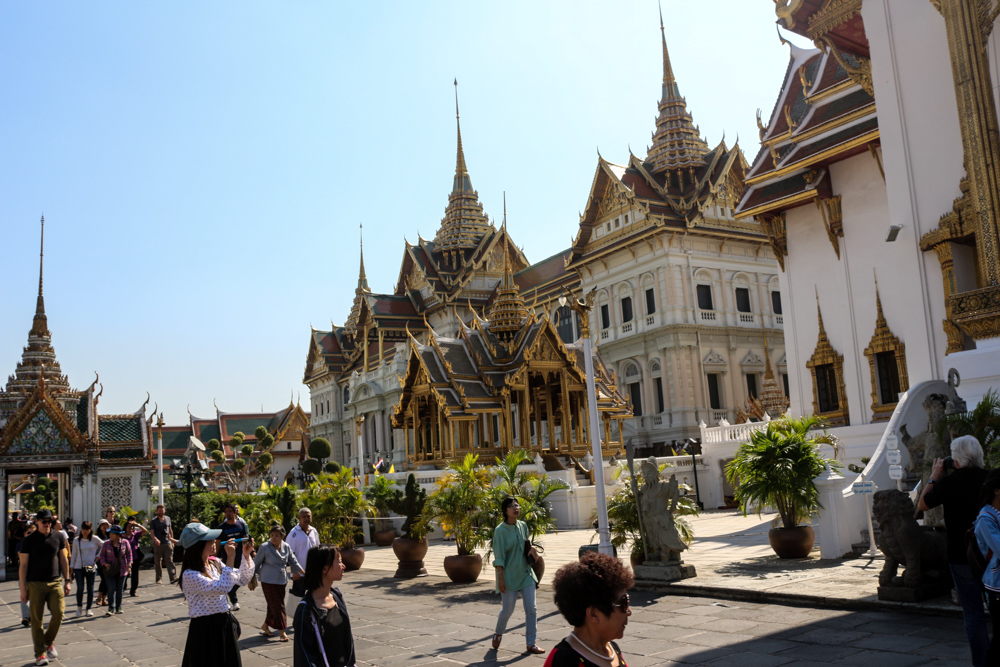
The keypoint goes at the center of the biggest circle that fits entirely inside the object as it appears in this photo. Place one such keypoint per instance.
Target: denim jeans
(509, 600)
(116, 586)
(993, 656)
(971, 595)
(84, 577)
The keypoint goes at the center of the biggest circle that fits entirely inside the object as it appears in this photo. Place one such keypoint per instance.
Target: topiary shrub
(213, 445)
(264, 460)
(320, 448)
(218, 456)
(267, 441)
(312, 467)
(411, 505)
(239, 464)
(260, 432)
(235, 442)
(331, 466)
(246, 450)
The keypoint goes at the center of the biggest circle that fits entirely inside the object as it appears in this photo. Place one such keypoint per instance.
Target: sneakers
(90, 612)
(42, 660)
(109, 613)
(79, 612)
(25, 622)
(118, 611)
(51, 652)
(236, 606)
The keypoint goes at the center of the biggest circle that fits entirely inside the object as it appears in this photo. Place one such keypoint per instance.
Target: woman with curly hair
(592, 594)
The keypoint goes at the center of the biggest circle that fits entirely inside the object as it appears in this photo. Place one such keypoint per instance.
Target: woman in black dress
(322, 627)
(592, 594)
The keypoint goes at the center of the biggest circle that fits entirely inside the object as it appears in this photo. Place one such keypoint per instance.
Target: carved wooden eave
(294, 420)
(825, 354)
(883, 340)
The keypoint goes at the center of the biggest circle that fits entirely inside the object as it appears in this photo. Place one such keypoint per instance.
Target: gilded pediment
(41, 428)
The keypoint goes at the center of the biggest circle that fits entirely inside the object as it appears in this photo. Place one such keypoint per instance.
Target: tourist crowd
(592, 594)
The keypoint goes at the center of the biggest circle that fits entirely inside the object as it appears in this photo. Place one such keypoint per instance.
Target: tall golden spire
(360, 291)
(39, 357)
(464, 223)
(362, 278)
(676, 140)
(771, 397)
(508, 313)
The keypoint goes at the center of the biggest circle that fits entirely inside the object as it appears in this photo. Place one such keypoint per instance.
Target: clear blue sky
(203, 166)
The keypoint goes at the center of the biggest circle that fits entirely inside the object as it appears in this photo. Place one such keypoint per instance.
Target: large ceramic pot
(411, 557)
(637, 559)
(384, 538)
(353, 558)
(792, 542)
(463, 569)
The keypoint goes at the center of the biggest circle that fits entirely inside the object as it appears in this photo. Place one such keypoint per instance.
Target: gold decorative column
(968, 24)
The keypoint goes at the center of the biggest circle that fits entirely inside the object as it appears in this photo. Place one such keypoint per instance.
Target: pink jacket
(107, 557)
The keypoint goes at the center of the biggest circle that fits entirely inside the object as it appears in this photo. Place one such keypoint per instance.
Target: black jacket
(337, 643)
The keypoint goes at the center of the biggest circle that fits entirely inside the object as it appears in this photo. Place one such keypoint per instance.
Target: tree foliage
(249, 463)
(312, 467)
(320, 449)
(983, 422)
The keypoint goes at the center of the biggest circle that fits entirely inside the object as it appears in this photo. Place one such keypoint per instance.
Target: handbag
(527, 552)
(252, 585)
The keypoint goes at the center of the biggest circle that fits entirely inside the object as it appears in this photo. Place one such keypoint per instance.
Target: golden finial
(783, 40)
(362, 278)
(217, 411)
(461, 171)
(41, 259)
(668, 72)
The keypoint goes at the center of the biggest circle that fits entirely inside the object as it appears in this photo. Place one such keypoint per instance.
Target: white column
(830, 486)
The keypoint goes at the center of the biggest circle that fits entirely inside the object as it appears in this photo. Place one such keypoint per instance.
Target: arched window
(347, 395)
(655, 373)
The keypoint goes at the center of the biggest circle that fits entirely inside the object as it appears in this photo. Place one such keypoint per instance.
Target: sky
(203, 168)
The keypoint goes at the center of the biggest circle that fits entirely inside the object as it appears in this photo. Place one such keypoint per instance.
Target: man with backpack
(959, 491)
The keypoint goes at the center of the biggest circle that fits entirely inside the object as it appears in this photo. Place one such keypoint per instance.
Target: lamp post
(360, 420)
(582, 308)
(159, 453)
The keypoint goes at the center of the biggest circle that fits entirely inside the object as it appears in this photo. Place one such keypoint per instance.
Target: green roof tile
(81, 414)
(118, 454)
(247, 426)
(173, 439)
(119, 430)
(208, 431)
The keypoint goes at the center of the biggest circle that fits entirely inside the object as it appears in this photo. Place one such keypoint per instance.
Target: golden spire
(462, 181)
(362, 278)
(464, 223)
(768, 373)
(508, 313)
(39, 353)
(676, 140)
(40, 325)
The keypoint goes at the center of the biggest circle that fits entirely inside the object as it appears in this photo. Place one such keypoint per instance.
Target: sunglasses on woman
(622, 604)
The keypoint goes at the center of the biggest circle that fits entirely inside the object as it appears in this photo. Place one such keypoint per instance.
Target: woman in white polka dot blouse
(205, 581)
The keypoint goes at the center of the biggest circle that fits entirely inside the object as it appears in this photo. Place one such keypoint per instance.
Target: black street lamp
(185, 474)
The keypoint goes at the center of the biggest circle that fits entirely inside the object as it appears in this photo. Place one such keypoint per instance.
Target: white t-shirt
(301, 542)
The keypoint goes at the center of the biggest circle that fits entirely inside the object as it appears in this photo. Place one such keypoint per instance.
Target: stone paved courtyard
(430, 621)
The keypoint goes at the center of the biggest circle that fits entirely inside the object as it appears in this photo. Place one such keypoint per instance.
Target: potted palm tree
(776, 469)
(455, 505)
(411, 547)
(339, 503)
(382, 493)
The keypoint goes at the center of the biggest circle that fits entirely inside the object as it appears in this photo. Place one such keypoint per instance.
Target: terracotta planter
(384, 538)
(792, 542)
(353, 558)
(411, 557)
(463, 569)
(539, 567)
(637, 559)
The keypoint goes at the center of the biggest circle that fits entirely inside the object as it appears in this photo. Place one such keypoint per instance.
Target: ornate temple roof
(821, 116)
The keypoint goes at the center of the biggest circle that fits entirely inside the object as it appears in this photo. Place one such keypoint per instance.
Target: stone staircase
(554, 462)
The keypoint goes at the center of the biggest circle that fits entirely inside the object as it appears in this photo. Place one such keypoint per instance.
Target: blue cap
(116, 530)
(197, 532)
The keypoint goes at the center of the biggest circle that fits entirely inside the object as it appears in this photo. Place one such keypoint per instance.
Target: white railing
(731, 432)
(651, 320)
(708, 315)
(779, 320)
(719, 415)
(746, 318)
(604, 334)
(627, 328)
(657, 420)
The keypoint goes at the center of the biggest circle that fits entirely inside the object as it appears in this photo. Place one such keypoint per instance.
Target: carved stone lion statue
(923, 551)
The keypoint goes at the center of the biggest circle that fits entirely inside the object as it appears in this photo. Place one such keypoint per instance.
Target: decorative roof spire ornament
(361, 290)
(39, 352)
(772, 399)
(464, 223)
(508, 313)
(676, 140)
